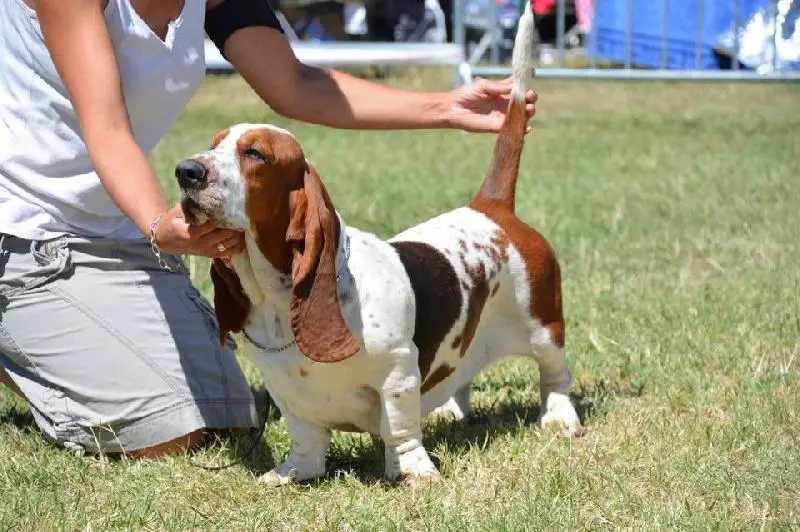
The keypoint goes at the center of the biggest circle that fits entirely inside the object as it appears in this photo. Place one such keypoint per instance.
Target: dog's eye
(253, 153)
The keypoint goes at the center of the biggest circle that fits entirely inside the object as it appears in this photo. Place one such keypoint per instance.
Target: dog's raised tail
(501, 179)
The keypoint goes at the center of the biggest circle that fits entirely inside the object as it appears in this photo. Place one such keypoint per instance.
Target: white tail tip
(522, 56)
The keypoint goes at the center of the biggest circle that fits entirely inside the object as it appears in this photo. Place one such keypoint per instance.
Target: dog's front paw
(273, 478)
(411, 468)
(561, 417)
(421, 479)
(290, 472)
(450, 411)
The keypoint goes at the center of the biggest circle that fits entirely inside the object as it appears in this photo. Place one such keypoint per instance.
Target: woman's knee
(183, 443)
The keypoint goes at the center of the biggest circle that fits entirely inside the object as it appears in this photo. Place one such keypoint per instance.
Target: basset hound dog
(355, 333)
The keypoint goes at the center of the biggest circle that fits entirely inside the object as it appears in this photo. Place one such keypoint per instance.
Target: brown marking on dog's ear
(231, 304)
(296, 231)
(313, 232)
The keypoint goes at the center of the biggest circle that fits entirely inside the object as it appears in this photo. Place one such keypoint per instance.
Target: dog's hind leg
(555, 382)
(307, 458)
(457, 407)
(401, 420)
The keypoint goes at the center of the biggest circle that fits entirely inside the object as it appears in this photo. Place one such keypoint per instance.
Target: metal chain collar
(265, 348)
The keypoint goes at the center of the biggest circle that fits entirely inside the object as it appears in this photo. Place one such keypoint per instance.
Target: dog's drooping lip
(192, 212)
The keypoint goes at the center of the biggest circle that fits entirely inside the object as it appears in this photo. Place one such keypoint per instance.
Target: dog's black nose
(190, 173)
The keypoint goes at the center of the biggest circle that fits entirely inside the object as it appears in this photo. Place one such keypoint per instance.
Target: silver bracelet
(154, 245)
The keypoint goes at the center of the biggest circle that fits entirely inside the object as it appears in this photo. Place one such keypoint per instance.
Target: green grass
(674, 209)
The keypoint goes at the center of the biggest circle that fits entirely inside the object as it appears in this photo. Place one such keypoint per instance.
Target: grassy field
(674, 209)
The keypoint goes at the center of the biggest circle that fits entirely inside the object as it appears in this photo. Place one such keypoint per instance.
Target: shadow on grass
(246, 450)
(22, 419)
(485, 424)
(362, 454)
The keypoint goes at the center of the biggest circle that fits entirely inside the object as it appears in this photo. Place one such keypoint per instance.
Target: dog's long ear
(319, 327)
(231, 304)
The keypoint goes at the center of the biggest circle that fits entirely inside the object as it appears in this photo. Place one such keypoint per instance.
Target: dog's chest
(341, 395)
(337, 396)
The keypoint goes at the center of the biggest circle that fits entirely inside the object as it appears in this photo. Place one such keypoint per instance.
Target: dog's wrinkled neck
(269, 290)
(261, 279)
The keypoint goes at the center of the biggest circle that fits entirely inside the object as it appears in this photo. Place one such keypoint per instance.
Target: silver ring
(221, 247)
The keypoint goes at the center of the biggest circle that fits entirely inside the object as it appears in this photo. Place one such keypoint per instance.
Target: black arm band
(231, 15)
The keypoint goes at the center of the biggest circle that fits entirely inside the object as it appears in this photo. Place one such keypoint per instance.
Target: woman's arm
(265, 59)
(324, 96)
(75, 32)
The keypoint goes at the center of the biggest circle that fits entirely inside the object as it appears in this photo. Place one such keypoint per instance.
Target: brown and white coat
(352, 332)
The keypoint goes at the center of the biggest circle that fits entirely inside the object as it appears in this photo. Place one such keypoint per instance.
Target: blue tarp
(686, 20)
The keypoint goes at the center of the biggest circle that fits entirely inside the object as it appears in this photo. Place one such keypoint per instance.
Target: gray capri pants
(113, 352)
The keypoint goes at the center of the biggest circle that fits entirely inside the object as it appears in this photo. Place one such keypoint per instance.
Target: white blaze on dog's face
(247, 163)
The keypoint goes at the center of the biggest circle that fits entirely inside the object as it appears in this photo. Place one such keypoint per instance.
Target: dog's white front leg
(401, 426)
(307, 458)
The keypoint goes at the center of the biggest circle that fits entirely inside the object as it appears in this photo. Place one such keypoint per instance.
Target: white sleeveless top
(48, 187)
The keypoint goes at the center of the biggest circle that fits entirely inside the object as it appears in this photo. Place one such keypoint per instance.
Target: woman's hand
(174, 235)
(481, 106)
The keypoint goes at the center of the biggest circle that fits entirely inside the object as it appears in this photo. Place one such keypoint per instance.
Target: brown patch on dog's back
(499, 248)
(437, 295)
(541, 265)
(439, 374)
(477, 299)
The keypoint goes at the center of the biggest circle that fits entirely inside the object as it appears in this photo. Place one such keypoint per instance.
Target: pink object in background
(583, 12)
